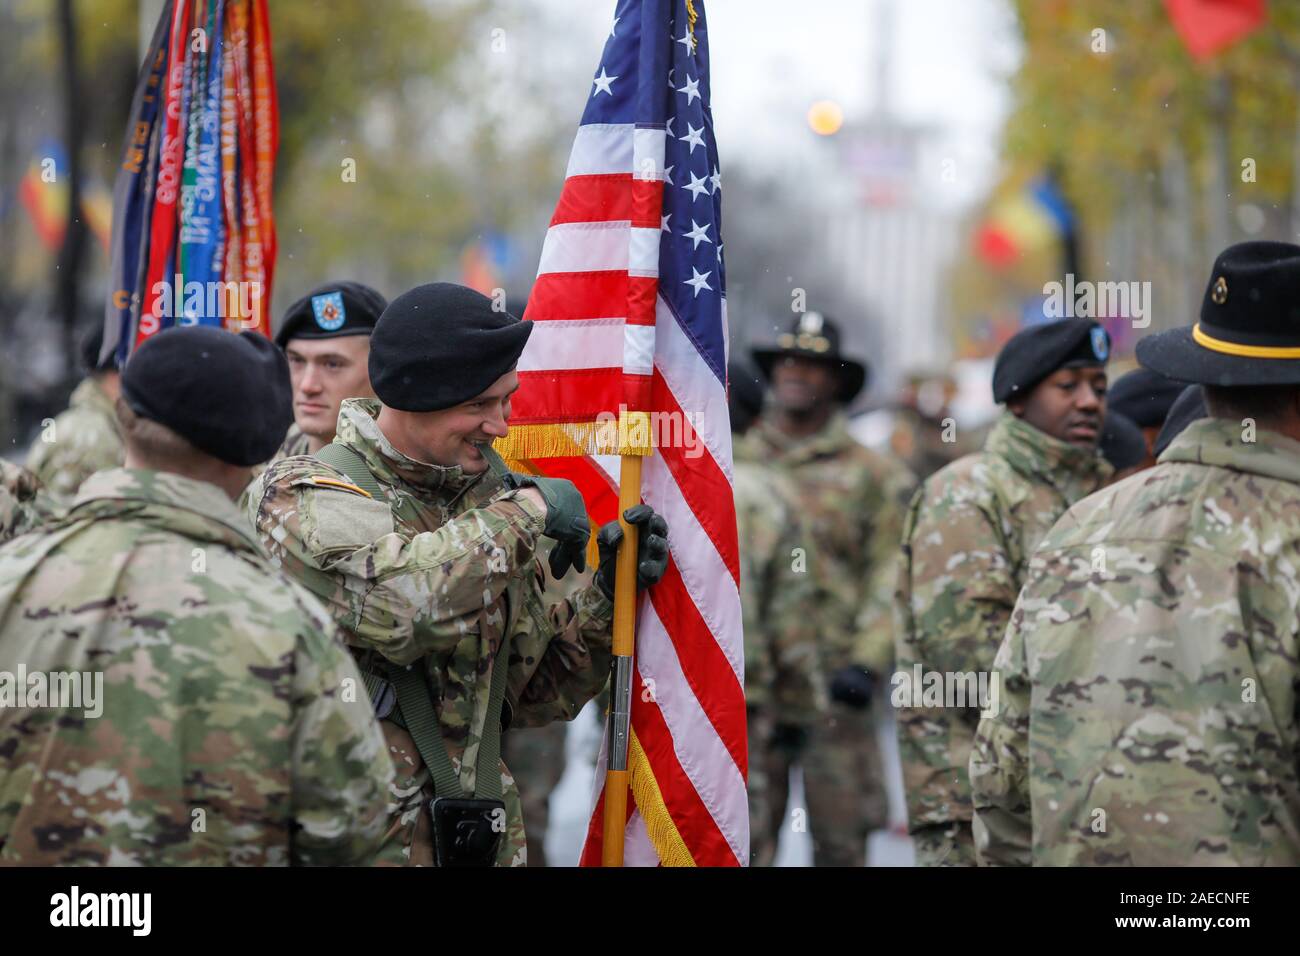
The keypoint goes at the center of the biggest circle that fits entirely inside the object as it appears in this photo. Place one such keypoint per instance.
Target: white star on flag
(698, 280)
(698, 233)
(603, 83)
(697, 186)
(664, 225)
(613, 25)
(691, 89)
(668, 176)
(693, 136)
(685, 40)
(716, 179)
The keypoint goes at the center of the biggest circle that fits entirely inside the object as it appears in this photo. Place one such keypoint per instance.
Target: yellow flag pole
(617, 777)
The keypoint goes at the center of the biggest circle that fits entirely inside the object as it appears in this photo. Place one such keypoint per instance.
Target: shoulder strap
(342, 458)
(413, 694)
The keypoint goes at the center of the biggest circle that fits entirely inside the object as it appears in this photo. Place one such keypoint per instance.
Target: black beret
(226, 394)
(1189, 406)
(1034, 353)
(331, 311)
(442, 344)
(1122, 442)
(1144, 396)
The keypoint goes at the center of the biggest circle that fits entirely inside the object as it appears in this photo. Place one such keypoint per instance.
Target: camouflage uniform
(439, 573)
(24, 503)
(1149, 675)
(783, 681)
(86, 440)
(851, 501)
(970, 532)
(225, 736)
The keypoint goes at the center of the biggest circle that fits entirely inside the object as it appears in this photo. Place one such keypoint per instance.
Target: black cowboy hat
(1249, 332)
(814, 336)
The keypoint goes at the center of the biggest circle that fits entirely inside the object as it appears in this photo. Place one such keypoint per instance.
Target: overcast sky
(771, 59)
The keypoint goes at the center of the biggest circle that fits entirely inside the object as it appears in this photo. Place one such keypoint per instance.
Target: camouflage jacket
(782, 674)
(24, 503)
(969, 535)
(438, 573)
(1150, 685)
(83, 439)
(851, 502)
(221, 732)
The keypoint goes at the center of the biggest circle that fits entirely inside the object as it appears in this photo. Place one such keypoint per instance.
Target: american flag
(630, 310)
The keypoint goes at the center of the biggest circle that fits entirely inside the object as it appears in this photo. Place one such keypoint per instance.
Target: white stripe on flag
(643, 256)
(574, 343)
(585, 247)
(637, 848)
(699, 749)
(648, 154)
(638, 349)
(601, 148)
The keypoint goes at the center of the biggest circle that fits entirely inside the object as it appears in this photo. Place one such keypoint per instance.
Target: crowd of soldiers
(1084, 623)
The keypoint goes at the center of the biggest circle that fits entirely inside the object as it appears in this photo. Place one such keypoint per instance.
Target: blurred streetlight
(825, 117)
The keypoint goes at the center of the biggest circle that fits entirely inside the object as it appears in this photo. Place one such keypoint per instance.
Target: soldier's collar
(204, 500)
(833, 438)
(1228, 444)
(1033, 451)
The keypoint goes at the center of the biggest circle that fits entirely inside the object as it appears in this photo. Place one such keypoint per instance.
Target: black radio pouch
(467, 832)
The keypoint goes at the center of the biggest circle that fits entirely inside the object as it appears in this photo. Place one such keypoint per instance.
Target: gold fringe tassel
(668, 843)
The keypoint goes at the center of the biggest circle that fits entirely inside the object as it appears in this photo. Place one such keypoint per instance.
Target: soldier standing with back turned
(1150, 679)
(221, 730)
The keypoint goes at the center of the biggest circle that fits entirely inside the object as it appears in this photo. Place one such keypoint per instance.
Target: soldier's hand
(853, 686)
(652, 548)
(566, 519)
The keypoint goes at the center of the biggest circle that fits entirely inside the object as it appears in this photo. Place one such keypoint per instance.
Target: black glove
(651, 549)
(566, 519)
(789, 738)
(853, 686)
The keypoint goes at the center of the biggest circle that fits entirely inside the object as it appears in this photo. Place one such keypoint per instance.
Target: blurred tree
(1166, 160)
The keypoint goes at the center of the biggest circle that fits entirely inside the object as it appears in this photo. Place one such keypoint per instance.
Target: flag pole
(617, 776)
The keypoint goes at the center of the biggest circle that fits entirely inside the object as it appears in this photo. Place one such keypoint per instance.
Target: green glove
(652, 548)
(566, 519)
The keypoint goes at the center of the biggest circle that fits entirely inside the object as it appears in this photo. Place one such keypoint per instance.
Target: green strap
(344, 459)
(413, 701)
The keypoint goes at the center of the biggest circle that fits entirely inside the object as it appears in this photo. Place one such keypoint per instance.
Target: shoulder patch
(335, 483)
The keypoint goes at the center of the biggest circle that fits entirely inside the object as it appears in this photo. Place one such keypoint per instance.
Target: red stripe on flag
(641, 294)
(603, 198)
(583, 393)
(578, 295)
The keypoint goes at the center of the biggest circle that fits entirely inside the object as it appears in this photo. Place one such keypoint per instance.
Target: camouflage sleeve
(873, 646)
(567, 632)
(341, 768)
(798, 688)
(999, 768)
(402, 595)
(962, 585)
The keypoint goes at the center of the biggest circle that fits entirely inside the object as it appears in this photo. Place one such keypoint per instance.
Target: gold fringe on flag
(668, 842)
(629, 435)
